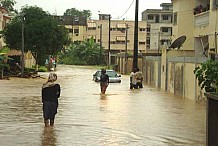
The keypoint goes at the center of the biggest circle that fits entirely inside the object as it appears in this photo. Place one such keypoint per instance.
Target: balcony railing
(201, 19)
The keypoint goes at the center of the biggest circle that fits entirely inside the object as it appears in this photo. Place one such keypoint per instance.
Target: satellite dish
(178, 42)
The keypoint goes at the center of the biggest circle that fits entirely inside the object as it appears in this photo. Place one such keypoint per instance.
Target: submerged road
(142, 117)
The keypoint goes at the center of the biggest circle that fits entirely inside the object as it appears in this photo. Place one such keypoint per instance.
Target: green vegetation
(41, 69)
(82, 53)
(3, 52)
(75, 12)
(42, 35)
(9, 5)
(207, 75)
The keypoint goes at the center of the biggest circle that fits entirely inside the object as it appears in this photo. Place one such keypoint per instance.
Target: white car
(113, 76)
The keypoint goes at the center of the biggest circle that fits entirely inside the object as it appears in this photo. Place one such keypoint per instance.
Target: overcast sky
(114, 7)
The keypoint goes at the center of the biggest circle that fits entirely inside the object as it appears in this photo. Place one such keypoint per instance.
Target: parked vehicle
(113, 76)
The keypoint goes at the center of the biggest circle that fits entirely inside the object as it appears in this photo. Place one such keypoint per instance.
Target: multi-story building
(4, 19)
(159, 26)
(120, 31)
(76, 26)
(173, 71)
(81, 29)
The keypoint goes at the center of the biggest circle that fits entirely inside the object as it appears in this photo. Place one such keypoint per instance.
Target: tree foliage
(3, 52)
(42, 35)
(83, 53)
(207, 75)
(8, 4)
(75, 12)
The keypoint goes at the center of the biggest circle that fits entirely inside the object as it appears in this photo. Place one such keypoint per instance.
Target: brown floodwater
(142, 117)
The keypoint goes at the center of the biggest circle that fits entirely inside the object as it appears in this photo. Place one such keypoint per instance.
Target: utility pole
(215, 37)
(100, 41)
(135, 57)
(109, 42)
(22, 47)
(126, 43)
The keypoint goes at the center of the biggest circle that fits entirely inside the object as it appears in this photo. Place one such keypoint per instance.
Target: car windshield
(110, 73)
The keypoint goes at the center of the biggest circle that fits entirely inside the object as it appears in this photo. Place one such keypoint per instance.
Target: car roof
(108, 70)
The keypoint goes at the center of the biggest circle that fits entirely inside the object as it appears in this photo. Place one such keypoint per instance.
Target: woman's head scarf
(51, 80)
(52, 77)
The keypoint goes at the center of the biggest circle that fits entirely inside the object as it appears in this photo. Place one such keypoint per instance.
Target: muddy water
(147, 116)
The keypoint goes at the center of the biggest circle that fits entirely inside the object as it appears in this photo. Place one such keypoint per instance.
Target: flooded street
(143, 117)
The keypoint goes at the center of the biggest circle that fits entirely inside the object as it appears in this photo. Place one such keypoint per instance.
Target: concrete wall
(120, 61)
(151, 70)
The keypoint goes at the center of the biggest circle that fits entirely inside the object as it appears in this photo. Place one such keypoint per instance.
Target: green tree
(42, 35)
(9, 5)
(84, 53)
(75, 12)
(3, 58)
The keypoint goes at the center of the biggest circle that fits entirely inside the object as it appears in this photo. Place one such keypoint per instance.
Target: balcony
(201, 19)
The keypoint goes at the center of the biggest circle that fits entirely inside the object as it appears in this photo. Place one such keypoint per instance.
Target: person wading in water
(50, 94)
(104, 81)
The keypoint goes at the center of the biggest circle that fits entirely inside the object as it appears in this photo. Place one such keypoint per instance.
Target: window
(91, 26)
(123, 30)
(70, 30)
(76, 31)
(148, 29)
(141, 43)
(175, 18)
(112, 42)
(165, 17)
(120, 42)
(150, 17)
(113, 29)
(164, 29)
(148, 41)
(141, 29)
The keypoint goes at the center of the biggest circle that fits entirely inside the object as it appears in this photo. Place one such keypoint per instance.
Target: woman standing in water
(50, 95)
(104, 81)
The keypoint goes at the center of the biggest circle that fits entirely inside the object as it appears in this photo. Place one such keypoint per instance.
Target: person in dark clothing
(104, 81)
(50, 94)
(139, 78)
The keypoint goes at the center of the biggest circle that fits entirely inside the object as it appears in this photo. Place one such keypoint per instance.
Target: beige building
(81, 29)
(173, 71)
(120, 31)
(159, 26)
(4, 19)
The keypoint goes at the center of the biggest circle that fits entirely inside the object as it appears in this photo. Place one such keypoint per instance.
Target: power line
(126, 10)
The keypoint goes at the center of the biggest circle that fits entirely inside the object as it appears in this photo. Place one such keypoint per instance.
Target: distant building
(4, 19)
(159, 26)
(118, 35)
(76, 26)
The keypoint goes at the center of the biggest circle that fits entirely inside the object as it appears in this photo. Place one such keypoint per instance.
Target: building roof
(71, 20)
(4, 10)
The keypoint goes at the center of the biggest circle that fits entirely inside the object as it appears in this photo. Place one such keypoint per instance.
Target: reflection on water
(85, 117)
(49, 137)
